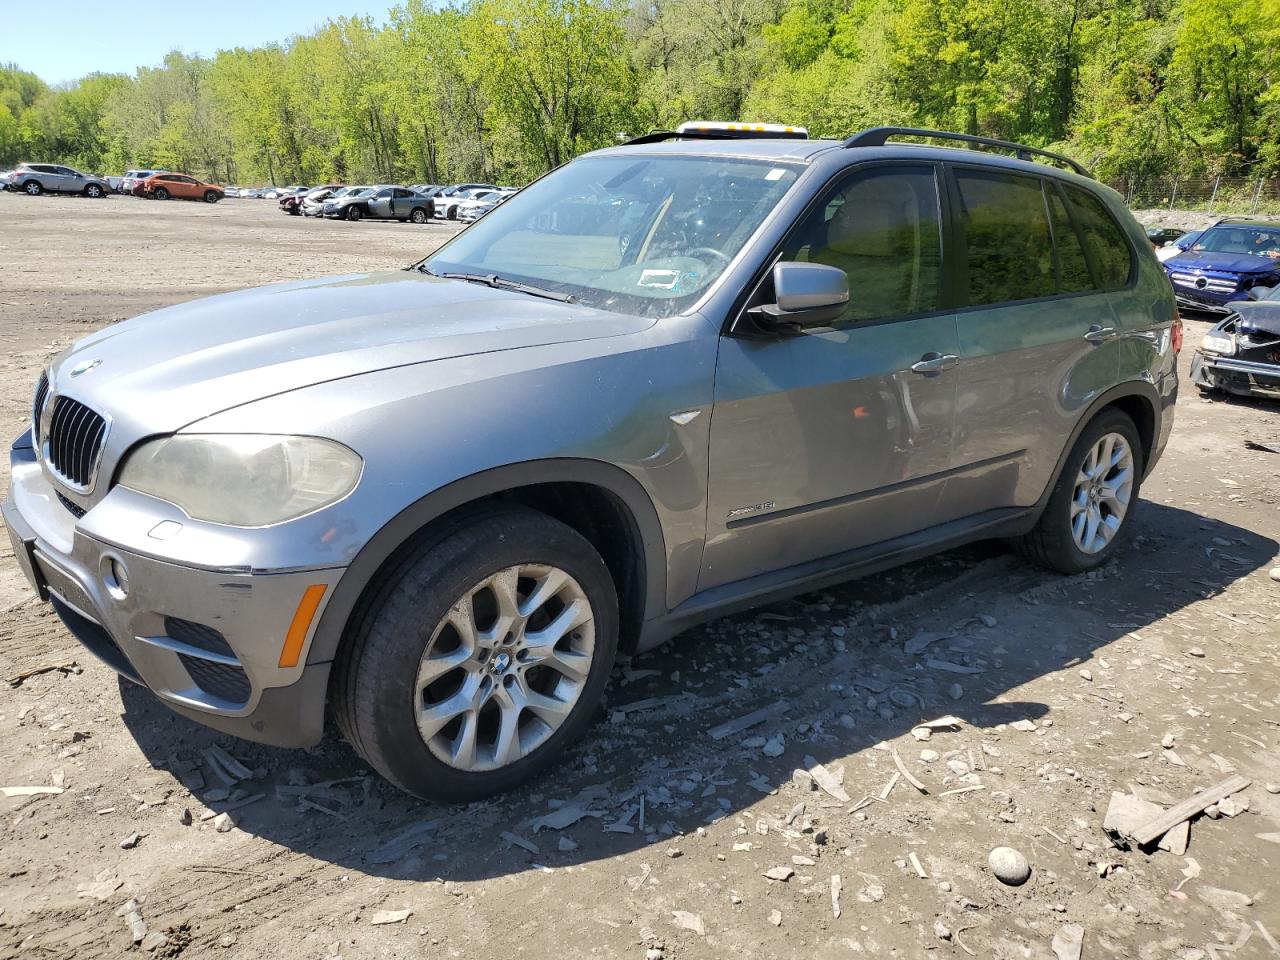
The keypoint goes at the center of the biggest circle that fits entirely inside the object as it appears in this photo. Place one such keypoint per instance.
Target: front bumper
(1244, 378)
(1205, 302)
(207, 642)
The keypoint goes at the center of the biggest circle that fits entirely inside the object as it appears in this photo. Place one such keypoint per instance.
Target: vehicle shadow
(841, 696)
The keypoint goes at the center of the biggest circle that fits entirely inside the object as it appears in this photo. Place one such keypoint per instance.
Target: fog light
(116, 577)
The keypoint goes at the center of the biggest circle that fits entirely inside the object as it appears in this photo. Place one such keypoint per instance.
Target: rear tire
(161, 193)
(1090, 494)
(420, 697)
(32, 188)
(418, 215)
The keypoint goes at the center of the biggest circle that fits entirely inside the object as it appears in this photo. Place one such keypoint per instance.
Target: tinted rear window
(1103, 238)
(1008, 248)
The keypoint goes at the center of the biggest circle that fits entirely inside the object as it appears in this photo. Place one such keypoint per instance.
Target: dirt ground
(1064, 690)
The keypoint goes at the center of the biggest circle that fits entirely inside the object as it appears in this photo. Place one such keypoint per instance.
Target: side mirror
(1259, 292)
(808, 295)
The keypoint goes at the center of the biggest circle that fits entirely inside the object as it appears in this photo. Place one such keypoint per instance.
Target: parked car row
(34, 179)
(417, 203)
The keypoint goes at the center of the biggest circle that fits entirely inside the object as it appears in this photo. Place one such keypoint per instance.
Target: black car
(1159, 236)
(1241, 354)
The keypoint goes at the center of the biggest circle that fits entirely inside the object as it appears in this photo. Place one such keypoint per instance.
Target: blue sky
(98, 36)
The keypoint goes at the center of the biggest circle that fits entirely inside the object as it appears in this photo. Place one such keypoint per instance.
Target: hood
(161, 371)
(1222, 262)
(1259, 315)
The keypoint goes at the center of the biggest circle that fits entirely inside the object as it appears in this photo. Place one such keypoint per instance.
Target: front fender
(384, 544)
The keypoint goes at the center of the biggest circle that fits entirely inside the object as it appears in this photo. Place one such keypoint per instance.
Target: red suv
(178, 186)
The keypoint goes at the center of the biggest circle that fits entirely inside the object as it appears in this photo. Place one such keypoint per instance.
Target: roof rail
(879, 136)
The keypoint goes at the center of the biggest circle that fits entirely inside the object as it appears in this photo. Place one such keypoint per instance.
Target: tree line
(503, 90)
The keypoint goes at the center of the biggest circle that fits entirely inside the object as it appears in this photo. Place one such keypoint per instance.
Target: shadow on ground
(843, 695)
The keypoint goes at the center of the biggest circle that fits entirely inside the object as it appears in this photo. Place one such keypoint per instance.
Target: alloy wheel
(504, 667)
(1103, 488)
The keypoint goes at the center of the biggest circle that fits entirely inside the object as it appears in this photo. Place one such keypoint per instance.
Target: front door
(837, 438)
(401, 202)
(60, 178)
(380, 204)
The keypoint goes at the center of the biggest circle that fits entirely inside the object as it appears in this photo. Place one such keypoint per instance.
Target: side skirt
(816, 574)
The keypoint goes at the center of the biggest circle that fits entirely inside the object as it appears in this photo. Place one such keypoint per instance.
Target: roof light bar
(723, 130)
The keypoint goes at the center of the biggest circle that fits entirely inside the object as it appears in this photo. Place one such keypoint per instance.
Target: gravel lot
(1067, 689)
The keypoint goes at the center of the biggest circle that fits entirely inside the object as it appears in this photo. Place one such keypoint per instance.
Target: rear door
(48, 175)
(401, 202)
(836, 438)
(1037, 336)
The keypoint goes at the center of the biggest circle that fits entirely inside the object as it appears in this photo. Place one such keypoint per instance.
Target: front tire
(354, 214)
(93, 191)
(211, 196)
(482, 658)
(1091, 507)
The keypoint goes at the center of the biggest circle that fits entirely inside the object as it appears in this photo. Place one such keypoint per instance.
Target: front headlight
(1219, 343)
(245, 480)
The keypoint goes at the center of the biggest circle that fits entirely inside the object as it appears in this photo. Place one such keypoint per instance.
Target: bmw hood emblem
(84, 366)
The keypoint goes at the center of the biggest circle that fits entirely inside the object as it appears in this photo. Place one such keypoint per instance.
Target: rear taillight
(1175, 332)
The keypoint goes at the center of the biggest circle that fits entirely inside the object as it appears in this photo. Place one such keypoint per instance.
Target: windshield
(1247, 239)
(629, 233)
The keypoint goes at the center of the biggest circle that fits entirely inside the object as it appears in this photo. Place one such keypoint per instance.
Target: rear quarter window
(1073, 265)
(1104, 240)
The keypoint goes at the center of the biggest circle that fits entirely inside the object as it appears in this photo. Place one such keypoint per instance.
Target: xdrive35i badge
(737, 512)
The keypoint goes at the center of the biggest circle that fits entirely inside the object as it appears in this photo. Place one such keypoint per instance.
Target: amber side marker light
(302, 618)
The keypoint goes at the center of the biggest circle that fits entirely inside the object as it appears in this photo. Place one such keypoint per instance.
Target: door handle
(934, 363)
(1097, 334)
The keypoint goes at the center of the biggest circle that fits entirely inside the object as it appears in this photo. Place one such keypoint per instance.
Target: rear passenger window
(882, 228)
(1008, 249)
(1073, 267)
(1103, 239)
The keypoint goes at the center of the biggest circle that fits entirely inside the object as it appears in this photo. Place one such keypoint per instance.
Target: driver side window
(883, 229)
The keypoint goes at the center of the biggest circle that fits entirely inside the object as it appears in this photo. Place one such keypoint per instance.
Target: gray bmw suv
(669, 380)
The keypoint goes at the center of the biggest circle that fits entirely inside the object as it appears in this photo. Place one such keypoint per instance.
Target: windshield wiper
(502, 283)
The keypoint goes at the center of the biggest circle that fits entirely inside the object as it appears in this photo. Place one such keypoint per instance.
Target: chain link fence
(1221, 195)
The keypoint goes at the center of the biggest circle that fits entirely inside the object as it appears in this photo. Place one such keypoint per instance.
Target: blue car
(1225, 263)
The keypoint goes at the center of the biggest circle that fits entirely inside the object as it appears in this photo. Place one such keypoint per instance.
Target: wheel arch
(1138, 400)
(602, 502)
